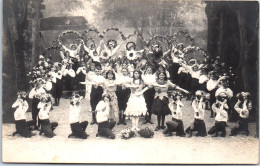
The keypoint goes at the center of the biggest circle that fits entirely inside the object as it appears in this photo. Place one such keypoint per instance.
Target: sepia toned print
(138, 82)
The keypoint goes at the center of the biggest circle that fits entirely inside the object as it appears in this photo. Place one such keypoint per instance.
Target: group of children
(116, 90)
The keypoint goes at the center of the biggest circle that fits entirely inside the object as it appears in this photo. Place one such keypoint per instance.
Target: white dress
(136, 105)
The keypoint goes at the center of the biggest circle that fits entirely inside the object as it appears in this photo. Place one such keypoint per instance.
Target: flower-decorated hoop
(91, 36)
(182, 37)
(161, 41)
(193, 52)
(68, 38)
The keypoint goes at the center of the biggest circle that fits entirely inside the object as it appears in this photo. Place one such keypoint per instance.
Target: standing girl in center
(161, 101)
(136, 105)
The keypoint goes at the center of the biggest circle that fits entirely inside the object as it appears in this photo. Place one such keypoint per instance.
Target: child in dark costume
(22, 127)
(123, 94)
(243, 107)
(45, 106)
(78, 128)
(149, 79)
(104, 125)
(160, 105)
(221, 110)
(35, 95)
(176, 125)
(198, 124)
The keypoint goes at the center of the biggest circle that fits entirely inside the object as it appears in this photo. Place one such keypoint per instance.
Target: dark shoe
(223, 134)
(182, 135)
(165, 131)
(70, 136)
(124, 122)
(40, 133)
(189, 134)
(119, 122)
(14, 133)
(169, 134)
(163, 127)
(157, 128)
(146, 121)
(215, 135)
(93, 122)
(150, 122)
(197, 135)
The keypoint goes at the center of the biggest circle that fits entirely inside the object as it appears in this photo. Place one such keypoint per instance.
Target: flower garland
(67, 32)
(181, 32)
(127, 133)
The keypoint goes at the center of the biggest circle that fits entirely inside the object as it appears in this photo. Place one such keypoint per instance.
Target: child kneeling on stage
(78, 128)
(243, 107)
(104, 126)
(176, 125)
(198, 105)
(221, 110)
(45, 105)
(22, 127)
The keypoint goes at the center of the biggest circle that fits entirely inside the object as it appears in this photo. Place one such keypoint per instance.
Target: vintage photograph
(130, 82)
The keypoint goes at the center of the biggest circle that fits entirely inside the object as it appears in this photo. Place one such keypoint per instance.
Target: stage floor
(61, 149)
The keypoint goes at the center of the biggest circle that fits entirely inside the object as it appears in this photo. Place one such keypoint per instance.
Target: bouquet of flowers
(127, 133)
(146, 133)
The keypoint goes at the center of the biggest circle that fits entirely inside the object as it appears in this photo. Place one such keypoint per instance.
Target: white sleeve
(61, 55)
(236, 107)
(79, 69)
(39, 106)
(72, 73)
(32, 93)
(16, 103)
(65, 72)
(26, 106)
(48, 86)
(210, 86)
(86, 48)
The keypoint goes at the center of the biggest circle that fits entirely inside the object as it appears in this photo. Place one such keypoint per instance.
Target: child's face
(106, 99)
(136, 75)
(161, 76)
(92, 67)
(156, 48)
(73, 47)
(131, 48)
(98, 71)
(44, 100)
(198, 97)
(110, 76)
(161, 69)
(92, 47)
(95, 53)
(111, 44)
(245, 97)
(124, 72)
(149, 71)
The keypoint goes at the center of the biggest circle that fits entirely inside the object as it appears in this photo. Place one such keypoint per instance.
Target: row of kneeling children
(106, 125)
